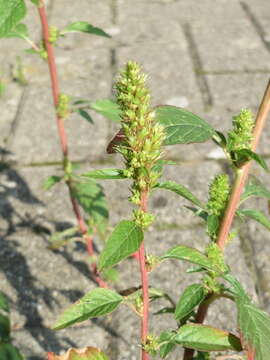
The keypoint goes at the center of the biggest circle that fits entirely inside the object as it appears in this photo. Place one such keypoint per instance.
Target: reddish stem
(144, 280)
(62, 134)
(233, 204)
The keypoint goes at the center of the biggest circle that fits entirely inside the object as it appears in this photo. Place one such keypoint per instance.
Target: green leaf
(104, 174)
(192, 296)
(167, 345)
(108, 108)
(4, 302)
(255, 188)
(4, 328)
(189, 254)
(83, 26)
(256, 215)
(9, 352)
(198, 212)
(61, 238)
(124, 241)
(88, 353)
(206, 338)
(97, 302)
(245, 155)
(179, 190)
(220, 139)
(11, 12)
(212, 225)
(85, 115)
(36, 2)
(158, 167)
(51, 181)
(91, 197)
(19, 31)
(181, 126)
(254, 323)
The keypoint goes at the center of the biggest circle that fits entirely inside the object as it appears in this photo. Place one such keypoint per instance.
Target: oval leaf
(182, 126)
(83, 26)
(11, 12)
(104, 174)
(180, 190)
(189, 254)
(19, 31)
(206, 338)
(108, 108)
(256, 215)
(97, 302)
(255, 188)
(85, 115)
(192, 296)
(124, 241)
(88, 353)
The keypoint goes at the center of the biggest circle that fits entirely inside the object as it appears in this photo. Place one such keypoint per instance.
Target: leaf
(199, 212)
(51, 181)
(181, 126)
(220, 139)
(104, 174)
(206, 338)
(192, 296)
(245, 155)
(85, 115)
(212, 225)
(91, 197)
(167, 345)
(254, 323)
(88, 353)
(4, 328)
(11, 12)
(179, 190)
(189, 254)
(108, 108)
(256, 215)
(255, 188)
(60, 238)
(19, 31)
(9, 352)
(4, 306)
(36, 2)
(97, 302)
(83, 26)
(124, 241)
(165, 310)
(158, 167)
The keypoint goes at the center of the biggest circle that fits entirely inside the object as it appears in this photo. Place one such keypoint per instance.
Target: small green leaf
(255, 188)
(104, 174)
(220, 139)
(4, 328)
(160, 163)
(192, 296)
(256, 215)
(179, 190)
(165, 310)
(212, 225)
(189, 254)
(108, 108)
(83, 26)
(51, 181)
(181, 126)
(4, 302)
(9, 352)
(124, 241)
(198, 212)
(19, 31)
(206, 338)
(245, 155)
(97, 302)
(36, 2)
(81, 102)
(61, 238)
(11, 12)
(91, 197)
(167, 343)
(85, 115)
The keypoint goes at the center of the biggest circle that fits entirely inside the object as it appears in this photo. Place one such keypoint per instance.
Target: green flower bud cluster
(54, 34)
(141, 147)
(242, 134)
(63, 107)
(215, 255)
(151, 344)
(42, 51)
(219, 192)
(143, 219)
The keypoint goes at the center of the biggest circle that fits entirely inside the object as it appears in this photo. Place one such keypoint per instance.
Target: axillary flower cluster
(143, 137)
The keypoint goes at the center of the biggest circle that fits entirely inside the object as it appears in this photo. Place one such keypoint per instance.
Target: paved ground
(210, 57)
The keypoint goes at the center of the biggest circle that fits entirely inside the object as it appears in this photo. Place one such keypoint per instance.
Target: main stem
(233, 204)
(62, 134)
(144, 280)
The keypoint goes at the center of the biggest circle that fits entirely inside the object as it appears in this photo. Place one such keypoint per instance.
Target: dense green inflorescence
(219, 191)
(143, 137)
(242, 134)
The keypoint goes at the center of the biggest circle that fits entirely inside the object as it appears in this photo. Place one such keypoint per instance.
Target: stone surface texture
(211, 57)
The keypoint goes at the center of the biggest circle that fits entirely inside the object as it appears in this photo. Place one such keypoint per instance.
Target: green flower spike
(143, 137)
(219, 192)
(242, 134)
